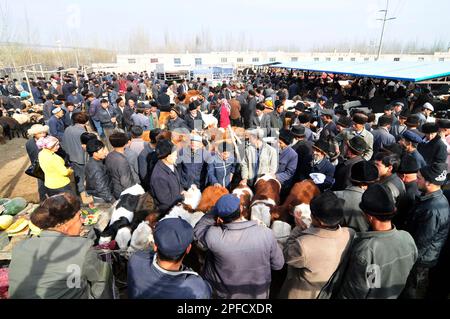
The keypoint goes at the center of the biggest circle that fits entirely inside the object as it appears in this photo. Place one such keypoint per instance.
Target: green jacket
(56, 266)
(378, 266)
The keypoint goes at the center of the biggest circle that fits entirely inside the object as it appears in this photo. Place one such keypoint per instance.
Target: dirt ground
(13, 163)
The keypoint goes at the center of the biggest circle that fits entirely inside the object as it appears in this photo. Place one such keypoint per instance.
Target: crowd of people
(379, 226)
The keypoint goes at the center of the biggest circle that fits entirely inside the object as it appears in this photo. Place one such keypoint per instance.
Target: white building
(171, 62)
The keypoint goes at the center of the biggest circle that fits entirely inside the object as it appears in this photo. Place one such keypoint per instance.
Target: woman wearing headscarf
(56, 173)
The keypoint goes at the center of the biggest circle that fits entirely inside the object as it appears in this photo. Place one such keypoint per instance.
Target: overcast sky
(263, 23)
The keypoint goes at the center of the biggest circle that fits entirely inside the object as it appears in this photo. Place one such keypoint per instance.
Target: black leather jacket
(98, 182)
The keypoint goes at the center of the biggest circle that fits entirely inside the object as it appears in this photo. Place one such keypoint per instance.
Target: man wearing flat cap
(241, 253)
(160, 274)
(433, 148)
(381, 258)
(314, 254)
(358, 129)
(409, 140)
(428, 223)
(329, 127)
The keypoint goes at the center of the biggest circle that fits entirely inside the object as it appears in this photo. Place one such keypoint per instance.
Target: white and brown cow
(297, 203)
(267, 196)
(196, 204)
(245, 195)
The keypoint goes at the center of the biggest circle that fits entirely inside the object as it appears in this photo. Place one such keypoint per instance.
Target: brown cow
(210, 196)
(301, 193)
(191, 95)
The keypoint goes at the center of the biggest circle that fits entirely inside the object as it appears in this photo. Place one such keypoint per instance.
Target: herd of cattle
(131, 220)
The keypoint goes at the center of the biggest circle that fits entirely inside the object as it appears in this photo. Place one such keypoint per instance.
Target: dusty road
(13, 163)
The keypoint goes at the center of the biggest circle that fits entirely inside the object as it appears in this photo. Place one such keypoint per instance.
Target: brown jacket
(235, 113)
(313, 255)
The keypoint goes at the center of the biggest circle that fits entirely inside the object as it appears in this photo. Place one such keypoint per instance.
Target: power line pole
(382, 30)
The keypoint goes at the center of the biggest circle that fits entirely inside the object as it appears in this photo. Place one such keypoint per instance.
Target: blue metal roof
(403, 71)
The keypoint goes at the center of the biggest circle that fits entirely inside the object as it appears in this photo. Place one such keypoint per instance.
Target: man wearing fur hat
(428, 224)
(433, 149)
(358, 129)
(381, 258)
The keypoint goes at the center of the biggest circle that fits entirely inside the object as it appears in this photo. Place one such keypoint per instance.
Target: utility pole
(382, 30)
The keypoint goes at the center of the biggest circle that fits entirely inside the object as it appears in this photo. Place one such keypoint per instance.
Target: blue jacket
(94, 107)
(75, 99)
(325, 167)
(419, 158)
(287, 166)
(381, 137)
(429, 224)
(56, 127)
(37, 95)
(141, 120)
(165, 187)
(219, 171)
(194, 167)
(147, 280)
(240, 257)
